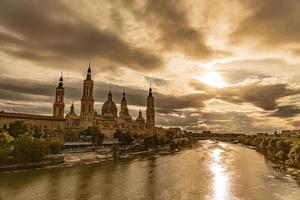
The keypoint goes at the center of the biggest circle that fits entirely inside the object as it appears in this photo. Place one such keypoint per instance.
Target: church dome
(140, 118)
(109, 108)
(72, 113)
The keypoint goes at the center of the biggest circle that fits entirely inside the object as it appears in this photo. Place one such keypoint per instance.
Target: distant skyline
(229, 66)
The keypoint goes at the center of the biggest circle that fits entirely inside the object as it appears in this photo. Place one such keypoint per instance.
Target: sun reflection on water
(220, 190)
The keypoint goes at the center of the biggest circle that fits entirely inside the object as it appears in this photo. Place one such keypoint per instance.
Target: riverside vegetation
(284, 149)
(22, 144)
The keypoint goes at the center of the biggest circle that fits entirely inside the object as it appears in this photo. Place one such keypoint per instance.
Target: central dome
(109, 108)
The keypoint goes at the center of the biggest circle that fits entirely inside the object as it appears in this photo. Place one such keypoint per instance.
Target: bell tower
(59, 105)
(87, 100)
(150, 111)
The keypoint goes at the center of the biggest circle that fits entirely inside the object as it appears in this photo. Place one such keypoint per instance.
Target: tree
(38, 133)
(55, 145)
(70, 136)
(124, 138)
(271, 147)
(29, 149)
(117, 134)
(5, 146)
(294, 155)
(170, 135)
(18, 128)
(5, 139)
(149, 142)
(96, 135)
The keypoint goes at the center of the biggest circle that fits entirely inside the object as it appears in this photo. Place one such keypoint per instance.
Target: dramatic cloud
(271, 22)
(261, 94)
(286, 111)
(46, 31)
(171, 20)
(177, 33)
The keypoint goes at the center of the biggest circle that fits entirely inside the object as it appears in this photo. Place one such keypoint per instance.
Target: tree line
(280, 148)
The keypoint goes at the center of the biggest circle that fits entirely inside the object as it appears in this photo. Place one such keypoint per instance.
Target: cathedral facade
(109, 120)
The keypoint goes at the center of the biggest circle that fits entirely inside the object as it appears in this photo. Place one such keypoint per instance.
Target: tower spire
(61, 82)
(150, 90)
(109, 95)
(89, 72)
(124, 94)
(72, 108)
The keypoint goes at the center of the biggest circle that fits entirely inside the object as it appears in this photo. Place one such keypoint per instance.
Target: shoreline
(79, 158)
(292, 171)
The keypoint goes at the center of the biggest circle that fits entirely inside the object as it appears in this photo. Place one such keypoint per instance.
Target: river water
(211, 171)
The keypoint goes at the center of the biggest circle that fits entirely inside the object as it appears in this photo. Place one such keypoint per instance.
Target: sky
(225, 66)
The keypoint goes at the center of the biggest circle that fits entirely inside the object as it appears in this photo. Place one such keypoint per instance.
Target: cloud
(44, 31)
(286, 111)
(156, 81)
(239, 70)
(270, 23)
(229, 121)
(260, 93)
(170, 19)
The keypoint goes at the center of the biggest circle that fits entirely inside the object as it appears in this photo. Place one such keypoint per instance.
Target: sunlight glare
(221, 182)
(213, 79)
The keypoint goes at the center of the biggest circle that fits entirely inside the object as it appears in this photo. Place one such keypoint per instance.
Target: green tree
(18, 128)
(117, 134)
(5, 146)
(124, 138)
(149, 142)
(294, 155)
(96, 135)
(283, 146)
(70, 136)
(170, 135)
(272, 147)
(38, 133)
(5, 139)
(55, 145)
(29, 149)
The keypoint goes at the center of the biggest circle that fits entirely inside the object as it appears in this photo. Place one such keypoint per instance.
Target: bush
(55, 145)
(28, 149)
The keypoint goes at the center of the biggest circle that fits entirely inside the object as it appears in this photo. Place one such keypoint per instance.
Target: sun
(213, 79)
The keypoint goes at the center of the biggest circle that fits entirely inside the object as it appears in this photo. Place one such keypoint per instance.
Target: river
(211, 171)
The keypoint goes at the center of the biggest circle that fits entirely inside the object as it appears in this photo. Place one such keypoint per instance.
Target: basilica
(109, 120)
